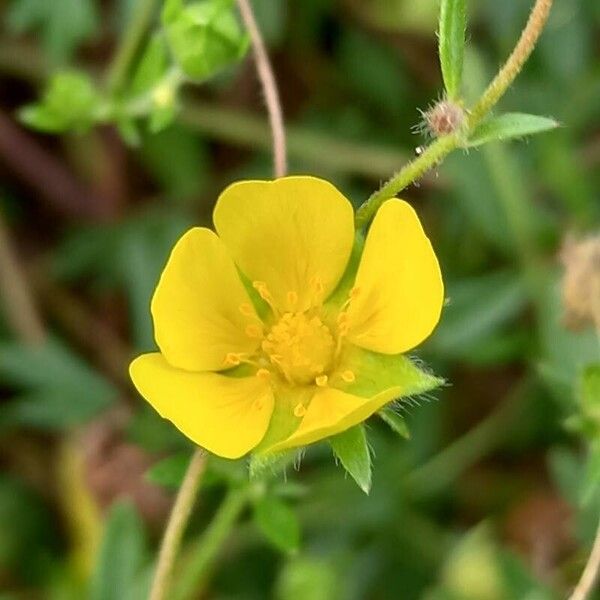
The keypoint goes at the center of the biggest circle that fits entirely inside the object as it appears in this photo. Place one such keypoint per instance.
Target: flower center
(301, 346)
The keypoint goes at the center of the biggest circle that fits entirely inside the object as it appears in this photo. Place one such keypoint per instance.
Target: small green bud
(70, 102)
(204, 36)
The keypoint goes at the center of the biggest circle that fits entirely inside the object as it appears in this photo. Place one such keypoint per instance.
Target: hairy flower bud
(443, 118)
(581, 282)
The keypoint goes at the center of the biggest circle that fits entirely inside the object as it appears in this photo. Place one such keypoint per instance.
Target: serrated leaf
(396, 422)
(352, 450)
(170, 471)
(453, 24)
(122, 555)
(510, 126)
(278, 522)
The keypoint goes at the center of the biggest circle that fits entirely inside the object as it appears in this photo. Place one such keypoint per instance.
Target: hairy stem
(269, 85)
(590, 573)
(202, 557)
(445, 145)
(176, 526)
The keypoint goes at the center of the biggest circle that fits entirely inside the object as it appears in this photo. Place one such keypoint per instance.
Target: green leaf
(591, 475)
(453, 24)
(170, 471)
(64, 24)
(151, 68)
(122, 555)
(278, 522)
(309, 577)
(589, 392)
(352, 450)
(396, 422)
(204, 37)
(69, 102)
(59, 390)
(510, 126)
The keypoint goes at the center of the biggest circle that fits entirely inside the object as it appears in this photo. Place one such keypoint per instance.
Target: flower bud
(204, 36)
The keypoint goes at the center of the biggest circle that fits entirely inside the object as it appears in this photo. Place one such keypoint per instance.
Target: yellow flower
(283, 329)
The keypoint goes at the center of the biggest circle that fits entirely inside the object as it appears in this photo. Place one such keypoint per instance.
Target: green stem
(205, 551)
(176, 526)
(130, 44)
(445, 145)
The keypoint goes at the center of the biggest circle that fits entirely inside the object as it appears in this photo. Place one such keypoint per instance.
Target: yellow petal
(226, 415)
(295, 234)
(196, 305)
(332, 411)
(399, 289)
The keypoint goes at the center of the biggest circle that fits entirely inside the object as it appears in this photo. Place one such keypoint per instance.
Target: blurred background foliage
(494, 496)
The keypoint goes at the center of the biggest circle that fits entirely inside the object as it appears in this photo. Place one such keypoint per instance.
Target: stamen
(349, 376)
(292, 298)
(246, 309)
(322, 380)
(299, 410)
(232, 359)
(263, 292)
(264, 374)
(254, 331)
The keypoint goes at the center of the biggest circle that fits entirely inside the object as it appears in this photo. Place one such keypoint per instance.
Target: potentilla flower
(284, 327)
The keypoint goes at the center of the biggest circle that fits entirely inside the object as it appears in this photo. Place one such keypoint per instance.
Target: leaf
(478, 309)
(59, 390)
(396, 422)
(64, 24)
(122, 555)
(170, 471)
(352, 450)
(453, 24)
(309, 577)
(510, 126)
(278, 522)
(69, 102)
(589, 392)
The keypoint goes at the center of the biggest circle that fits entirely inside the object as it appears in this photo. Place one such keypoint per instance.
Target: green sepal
(395, 376)
(352, 449)
(510, 126)
(204, 37)
(262, 465)
(396, 422)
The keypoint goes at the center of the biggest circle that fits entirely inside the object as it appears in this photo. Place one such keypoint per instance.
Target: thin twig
(443, 146)
(176, 526)
(269, 85)
(21, 312)
(590, 573)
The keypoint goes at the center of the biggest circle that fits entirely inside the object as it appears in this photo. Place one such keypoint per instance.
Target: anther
(232, 359)
(348, 376)
(299, 410)
(322, 380)
(263, 374)
(253, 331)
(246, 309)
(292, 298)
